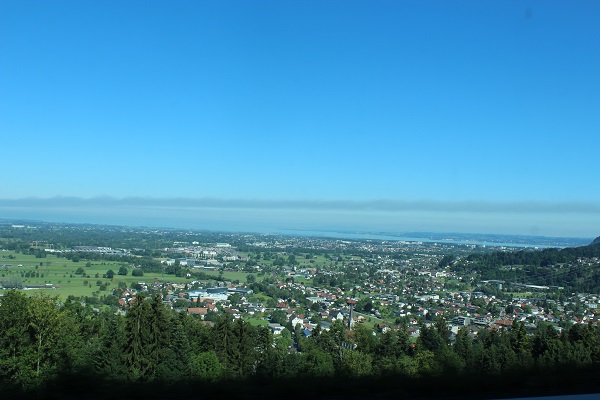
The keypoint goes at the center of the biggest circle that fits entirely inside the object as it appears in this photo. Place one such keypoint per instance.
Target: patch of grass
(230, 275)
(298, 279)
(62, 272)
(256, 321)
(259, 298)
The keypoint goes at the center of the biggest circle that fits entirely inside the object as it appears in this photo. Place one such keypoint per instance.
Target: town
(390, 283)
(163, 311)
(301, 283)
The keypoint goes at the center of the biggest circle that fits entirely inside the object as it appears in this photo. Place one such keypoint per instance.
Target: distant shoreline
(473, 239)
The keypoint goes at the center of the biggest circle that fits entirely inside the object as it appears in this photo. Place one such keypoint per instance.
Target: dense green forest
(548, 267)
(43, 343)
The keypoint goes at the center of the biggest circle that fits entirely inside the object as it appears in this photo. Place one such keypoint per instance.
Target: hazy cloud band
(526, 207)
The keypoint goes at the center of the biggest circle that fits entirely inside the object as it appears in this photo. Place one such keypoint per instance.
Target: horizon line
(377, 205)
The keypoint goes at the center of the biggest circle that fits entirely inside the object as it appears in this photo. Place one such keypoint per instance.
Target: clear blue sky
(472, 116)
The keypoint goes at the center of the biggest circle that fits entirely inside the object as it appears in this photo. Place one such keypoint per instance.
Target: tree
(206, 366)
(137, 339)
(122, 270)
(175, 356)
(364, 339)
(430, 339)
(317, 363)
(292, 260)
(268, 358)
(222, 333)
(284, 341)
(108, 359)
(518, 338)
(146, 337)
(110, 274)
(332, 341)
(442, 329)
(545, 334)
(364, 305)
(279, 316)
(50, 332)
(35, 339)
(137, 272)
(426, 363)
(393, 344)
(463, 346)
(16, 350)
(355, 363)
(241, 353)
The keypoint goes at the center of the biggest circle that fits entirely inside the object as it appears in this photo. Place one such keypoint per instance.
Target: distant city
(479, 239)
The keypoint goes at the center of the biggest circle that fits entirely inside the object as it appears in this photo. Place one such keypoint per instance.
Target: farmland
(76, 278)
(82, 278)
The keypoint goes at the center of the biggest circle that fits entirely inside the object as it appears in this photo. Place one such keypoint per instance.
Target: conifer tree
(139, 345)
(108, 358)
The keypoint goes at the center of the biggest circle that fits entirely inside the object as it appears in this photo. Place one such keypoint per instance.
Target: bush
(137, 272)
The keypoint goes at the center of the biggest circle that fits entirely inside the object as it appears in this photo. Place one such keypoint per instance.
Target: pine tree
(140, 345)
(222, 332)
(108, 358)
(241, 351)
(174, 363)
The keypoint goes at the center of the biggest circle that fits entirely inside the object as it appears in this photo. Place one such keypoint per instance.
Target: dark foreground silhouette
(507, 385)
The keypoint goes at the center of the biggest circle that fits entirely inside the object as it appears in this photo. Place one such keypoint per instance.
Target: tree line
(549, 267)
(42, 341)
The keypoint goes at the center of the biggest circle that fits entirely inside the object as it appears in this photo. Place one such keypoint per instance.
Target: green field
(319, 260)
(230, 275)
(298, 279)
(256, 321)
(62, 272)
(259, 297)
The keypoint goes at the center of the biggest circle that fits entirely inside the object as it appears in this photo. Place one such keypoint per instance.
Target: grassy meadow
(61, 272)
(230, 275)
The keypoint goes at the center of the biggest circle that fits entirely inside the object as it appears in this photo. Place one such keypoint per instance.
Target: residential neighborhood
(150, 305)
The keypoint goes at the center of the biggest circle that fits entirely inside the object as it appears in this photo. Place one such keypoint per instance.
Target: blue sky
(462, 116)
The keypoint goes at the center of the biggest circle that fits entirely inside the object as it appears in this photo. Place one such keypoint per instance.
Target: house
(281, 305)
(201, 311)
(414, 331)
(460, 320)
(502, 323)
(276, 329)
(297, 321)
(338, 316)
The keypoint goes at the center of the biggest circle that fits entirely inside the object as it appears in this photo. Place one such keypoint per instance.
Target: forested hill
(575, 268)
